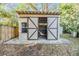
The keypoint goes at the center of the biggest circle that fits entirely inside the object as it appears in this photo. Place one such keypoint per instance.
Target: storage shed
(38, 25)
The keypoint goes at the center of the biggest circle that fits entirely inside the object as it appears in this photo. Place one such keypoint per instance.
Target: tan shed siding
(22, 35)
(30, 15)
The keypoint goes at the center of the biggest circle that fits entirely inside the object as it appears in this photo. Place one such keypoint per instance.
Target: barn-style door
(32, 28)
(52, 28)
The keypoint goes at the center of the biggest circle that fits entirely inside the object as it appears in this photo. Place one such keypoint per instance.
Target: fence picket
(8, 32)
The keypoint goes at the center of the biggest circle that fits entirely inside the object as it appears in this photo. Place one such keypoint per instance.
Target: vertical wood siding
(7, 32)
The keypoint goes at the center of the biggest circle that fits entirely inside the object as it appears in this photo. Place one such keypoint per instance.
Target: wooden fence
(8, 32)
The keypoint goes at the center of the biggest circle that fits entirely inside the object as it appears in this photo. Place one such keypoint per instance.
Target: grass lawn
(75, 42)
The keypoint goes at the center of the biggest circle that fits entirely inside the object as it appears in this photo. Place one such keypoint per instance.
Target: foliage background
(69, 13)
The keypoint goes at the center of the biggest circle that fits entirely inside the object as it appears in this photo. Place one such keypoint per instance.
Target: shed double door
(52, 28)
(32, 28)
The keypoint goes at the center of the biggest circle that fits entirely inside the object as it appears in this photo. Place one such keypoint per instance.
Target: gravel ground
(36, 50)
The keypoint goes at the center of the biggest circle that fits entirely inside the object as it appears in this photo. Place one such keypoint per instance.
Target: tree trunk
(45, 7)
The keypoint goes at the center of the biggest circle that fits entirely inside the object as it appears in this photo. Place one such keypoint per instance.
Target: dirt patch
(10, 49)
(36, 50)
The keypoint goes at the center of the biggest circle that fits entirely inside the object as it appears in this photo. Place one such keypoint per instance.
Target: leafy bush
(69, 17)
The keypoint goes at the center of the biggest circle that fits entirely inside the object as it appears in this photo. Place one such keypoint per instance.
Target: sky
(10, 6)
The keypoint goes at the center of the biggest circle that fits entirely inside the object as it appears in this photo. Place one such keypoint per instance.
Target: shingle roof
(38, 12)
